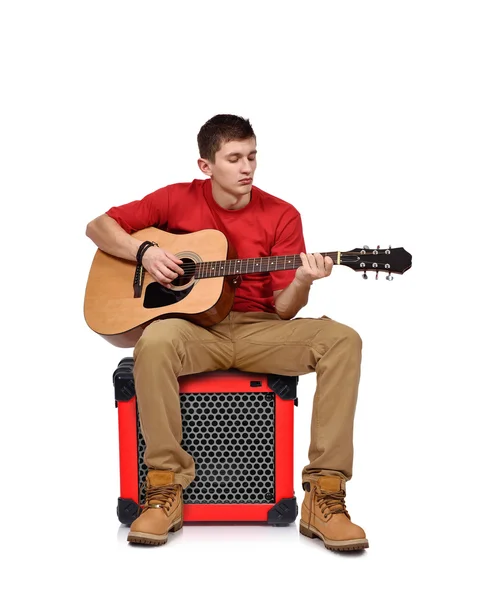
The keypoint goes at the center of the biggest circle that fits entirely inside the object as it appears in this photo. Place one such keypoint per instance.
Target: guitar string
(192, 268)
(277, 258)
(370, 258)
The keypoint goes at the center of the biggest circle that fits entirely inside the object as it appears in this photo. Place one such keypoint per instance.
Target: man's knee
(351, 337)
(158, 335)
(341, 334)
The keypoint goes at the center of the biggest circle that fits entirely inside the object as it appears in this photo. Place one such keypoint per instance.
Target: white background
(368, 117)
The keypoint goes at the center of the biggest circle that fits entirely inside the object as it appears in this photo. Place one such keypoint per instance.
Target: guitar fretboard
(252, 265)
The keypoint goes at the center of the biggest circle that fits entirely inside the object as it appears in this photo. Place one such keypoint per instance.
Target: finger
(319, 259)
(329, 263)
(174, 267)
(312, 262)
(166, 276)
(161, 279)
(167, 272)
(173, 257)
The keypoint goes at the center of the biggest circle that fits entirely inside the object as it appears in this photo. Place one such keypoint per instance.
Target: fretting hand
(314, 266)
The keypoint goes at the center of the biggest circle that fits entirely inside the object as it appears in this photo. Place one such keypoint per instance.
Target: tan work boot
(162, 512)
(325, 516)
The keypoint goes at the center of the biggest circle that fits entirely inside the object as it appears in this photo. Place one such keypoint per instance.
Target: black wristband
(142, 249)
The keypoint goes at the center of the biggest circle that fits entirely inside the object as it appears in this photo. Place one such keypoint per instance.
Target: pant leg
(266, 343)
(166, 350)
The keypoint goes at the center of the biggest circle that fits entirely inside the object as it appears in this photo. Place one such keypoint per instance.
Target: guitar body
(112, 310)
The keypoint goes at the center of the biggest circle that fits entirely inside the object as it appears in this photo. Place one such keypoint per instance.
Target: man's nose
(246, 167)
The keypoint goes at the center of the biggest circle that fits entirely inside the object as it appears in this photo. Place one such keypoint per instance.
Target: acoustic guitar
(121, 298)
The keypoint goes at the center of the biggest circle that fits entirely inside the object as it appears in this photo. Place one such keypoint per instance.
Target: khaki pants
(257, 342)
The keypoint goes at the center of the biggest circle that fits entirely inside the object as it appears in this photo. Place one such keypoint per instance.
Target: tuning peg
(366, 247)
(377, 273)
(389, 277)
(364, 276)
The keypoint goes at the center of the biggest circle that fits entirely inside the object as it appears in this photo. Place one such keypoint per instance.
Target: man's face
(234, 166)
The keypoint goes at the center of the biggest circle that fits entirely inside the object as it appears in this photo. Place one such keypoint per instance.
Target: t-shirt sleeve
(289, 241)
(151, 211)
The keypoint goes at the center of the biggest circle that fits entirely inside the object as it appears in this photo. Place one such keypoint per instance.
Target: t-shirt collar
(208, 193)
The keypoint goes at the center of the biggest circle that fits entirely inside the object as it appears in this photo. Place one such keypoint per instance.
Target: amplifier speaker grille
(231, 439)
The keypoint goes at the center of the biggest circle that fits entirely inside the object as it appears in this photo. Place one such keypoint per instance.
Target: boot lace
(160, 496)
(330, 503)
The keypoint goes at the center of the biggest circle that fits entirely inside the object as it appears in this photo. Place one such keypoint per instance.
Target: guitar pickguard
(157, 295)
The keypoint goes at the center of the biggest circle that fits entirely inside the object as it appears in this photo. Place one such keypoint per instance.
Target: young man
(258, 334)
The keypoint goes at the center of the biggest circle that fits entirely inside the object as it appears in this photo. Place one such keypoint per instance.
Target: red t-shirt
(266, 226)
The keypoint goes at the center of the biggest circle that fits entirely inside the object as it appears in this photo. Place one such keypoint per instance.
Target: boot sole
(337, 545)
(151, 539)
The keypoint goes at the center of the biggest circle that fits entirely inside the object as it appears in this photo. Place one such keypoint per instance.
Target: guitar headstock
(390, 260)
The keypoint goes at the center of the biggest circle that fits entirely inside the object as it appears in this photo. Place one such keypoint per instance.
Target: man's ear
(205, 167)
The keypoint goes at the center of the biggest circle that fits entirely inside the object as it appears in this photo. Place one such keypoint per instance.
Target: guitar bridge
(138, 281)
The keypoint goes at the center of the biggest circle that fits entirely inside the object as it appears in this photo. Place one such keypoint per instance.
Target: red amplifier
(238, 427)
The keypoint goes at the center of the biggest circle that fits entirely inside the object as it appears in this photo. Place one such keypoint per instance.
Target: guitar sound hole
(158, 295)
(188, 267)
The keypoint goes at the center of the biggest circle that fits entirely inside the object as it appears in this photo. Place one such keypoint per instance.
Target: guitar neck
(254, 265)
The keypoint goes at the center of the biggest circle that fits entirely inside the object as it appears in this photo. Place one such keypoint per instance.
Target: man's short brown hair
(220, 129)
